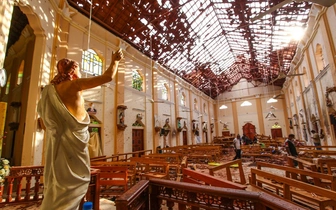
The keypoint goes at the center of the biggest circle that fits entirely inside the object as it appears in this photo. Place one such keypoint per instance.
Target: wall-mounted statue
(91, 109)
(185, 125)
(166, 125)
(138, 121)
(330, 108)
(122, 118)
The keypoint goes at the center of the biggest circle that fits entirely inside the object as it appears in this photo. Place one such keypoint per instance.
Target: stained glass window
(137, 80)
(91, 63)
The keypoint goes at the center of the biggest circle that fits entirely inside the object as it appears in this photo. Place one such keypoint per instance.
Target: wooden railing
(122, 156)
(227, 167)
(150, 194)
(24, 185)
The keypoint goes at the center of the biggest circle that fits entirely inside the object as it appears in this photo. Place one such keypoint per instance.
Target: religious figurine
(91, 109)
(329, 103)
(184, 124)
(225, 126)
(121, 117)
(313, 118)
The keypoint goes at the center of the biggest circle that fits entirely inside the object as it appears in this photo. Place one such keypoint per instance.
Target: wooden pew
(169, 157)
(131, 166)
(196, 153)
(302, 193)
(98, 158)
(113, 180)
(328, 164)
(148, 168)
(227, 167)
(255, 151)
(174, 160)
(302, 164)
(318, 179)
(319, 153)
(122, 156)
(195, 177)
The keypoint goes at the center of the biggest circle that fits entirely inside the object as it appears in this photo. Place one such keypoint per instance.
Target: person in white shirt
(316, 139)
(237, 148)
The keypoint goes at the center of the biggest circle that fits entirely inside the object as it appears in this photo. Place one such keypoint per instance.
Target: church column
(260, 116)
(235, 117)
(177, 111)
(156, 135)
(119, 138)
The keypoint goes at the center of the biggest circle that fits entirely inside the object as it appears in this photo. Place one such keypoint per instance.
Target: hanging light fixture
(223, 107)
(246, 103)
(272, 100)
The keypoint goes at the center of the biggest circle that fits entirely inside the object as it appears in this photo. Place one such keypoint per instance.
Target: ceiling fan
(326, 3)
(282, 75)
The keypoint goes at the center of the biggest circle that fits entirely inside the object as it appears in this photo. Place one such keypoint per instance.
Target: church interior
(195, 75)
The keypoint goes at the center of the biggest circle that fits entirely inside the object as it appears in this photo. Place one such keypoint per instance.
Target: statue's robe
(67, 161)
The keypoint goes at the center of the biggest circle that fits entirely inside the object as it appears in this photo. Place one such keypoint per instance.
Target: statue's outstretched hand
(117, 56)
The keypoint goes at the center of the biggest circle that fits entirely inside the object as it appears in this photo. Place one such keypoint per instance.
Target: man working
(67, 167)
(237, 148)
(290, 147)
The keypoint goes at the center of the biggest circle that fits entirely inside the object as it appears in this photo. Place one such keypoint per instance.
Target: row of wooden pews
(254, 151)
(201, 153)
(312, 190)
(122, 173)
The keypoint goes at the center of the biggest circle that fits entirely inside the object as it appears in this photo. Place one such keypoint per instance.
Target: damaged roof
(211, 44)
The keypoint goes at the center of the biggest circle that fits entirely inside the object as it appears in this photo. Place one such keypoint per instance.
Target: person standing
(290, 147)
(61, 107)
(316, 139)
(237, 147)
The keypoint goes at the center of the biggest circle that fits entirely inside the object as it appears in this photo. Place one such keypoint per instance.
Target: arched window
(183, 99)
(91, 63)
(137, 80)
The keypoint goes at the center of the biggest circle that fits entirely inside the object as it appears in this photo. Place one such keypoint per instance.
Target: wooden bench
(327, 165)
(302, 164)
(174, 161)
(122, 156)
(227, 167)
(315, 178)
(113, 180)
(169, 157)
(131, 166)
(255, 151)
(148, 168)
(191, 176)
(317, 153)
(299, 192)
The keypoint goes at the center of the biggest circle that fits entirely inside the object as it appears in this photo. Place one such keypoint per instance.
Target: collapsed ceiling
(211, 44)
